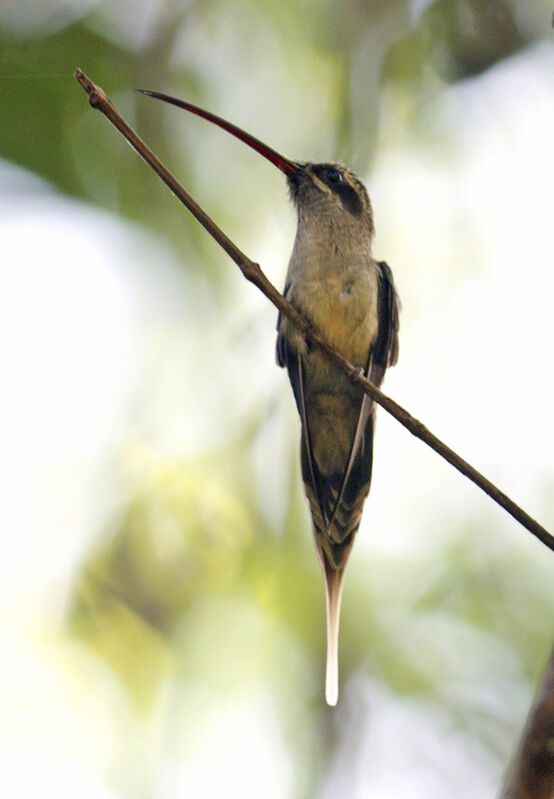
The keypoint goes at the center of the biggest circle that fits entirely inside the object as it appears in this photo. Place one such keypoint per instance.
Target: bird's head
(330, 190)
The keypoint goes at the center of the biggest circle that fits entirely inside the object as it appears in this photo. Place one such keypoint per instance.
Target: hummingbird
(349, 297)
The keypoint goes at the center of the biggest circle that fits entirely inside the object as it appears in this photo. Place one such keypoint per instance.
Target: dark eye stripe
(349, 198)
(348, 195)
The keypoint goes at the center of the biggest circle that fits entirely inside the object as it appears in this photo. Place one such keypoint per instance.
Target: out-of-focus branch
(252, 272)
(532, 773)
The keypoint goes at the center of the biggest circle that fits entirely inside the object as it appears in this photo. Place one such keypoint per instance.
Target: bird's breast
(342, 307)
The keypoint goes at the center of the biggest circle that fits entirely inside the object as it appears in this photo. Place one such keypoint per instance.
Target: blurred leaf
(37, 84)
(133, 648)
(465, 37)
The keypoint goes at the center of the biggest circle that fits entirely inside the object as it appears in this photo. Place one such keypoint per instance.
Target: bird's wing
(285, 355)
(336, 508)
(315, 483)
(385, 349)
(281, 346)
(383, 353)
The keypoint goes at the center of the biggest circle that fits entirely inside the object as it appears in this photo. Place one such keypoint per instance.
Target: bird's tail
(333, 594)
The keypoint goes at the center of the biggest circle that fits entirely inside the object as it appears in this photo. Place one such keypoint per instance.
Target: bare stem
(532, 774)
(252, 272)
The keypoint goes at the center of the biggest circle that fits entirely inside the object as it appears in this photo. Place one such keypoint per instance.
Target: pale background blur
(162, 628)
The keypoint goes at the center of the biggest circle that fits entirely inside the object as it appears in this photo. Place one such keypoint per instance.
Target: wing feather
(336, 508)
(383, 353)
(288, 358)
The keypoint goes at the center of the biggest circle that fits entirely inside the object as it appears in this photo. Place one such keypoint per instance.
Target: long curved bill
(280, 161)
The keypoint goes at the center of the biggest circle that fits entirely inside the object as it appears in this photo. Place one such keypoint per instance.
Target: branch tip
(96, 95)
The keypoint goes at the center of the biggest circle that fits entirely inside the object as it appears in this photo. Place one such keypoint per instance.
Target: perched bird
(334, 281)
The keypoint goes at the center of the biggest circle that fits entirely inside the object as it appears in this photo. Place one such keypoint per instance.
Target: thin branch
(532, 774)
(252, 272)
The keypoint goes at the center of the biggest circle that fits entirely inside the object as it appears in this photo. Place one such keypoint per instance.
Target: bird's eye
(334, 176)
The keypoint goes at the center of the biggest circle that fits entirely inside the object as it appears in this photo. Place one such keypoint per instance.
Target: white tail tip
(333, 586)
(332, 683)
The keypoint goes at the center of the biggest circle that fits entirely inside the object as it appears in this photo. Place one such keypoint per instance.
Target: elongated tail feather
(333, 596)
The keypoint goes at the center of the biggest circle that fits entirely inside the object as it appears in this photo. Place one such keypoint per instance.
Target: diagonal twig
(252, 272)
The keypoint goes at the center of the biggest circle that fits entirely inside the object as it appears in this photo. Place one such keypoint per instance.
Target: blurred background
(163, 626)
